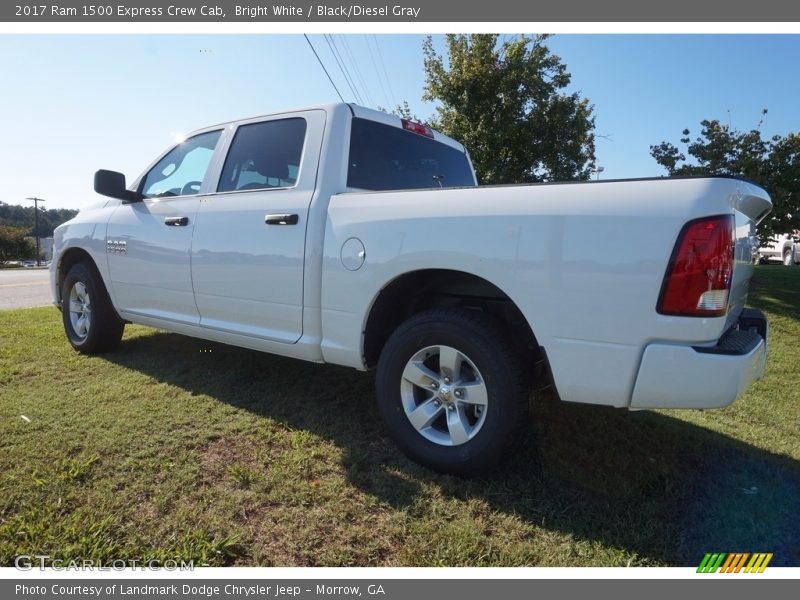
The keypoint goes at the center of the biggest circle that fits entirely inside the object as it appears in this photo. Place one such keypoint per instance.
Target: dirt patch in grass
(223, 453)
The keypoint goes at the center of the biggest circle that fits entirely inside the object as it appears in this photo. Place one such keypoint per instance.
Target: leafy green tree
(13, 245)
(721, 150)
(23, 216)
(404, 112)
(505, 101)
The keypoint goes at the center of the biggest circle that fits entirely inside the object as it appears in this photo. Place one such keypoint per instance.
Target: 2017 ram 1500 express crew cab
(344, 235)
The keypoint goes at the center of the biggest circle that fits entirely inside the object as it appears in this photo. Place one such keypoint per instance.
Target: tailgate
(750, 204)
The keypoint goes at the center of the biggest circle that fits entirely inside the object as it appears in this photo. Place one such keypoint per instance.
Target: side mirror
(112, 184)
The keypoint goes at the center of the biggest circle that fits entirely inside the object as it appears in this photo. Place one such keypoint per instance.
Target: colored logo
(734, 563)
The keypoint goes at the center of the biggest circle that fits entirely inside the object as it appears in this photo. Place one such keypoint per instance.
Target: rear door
(148, 242)
(248, 248)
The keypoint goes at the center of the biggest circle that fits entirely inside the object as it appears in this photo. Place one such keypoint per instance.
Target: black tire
(487, 352)
(105, 328)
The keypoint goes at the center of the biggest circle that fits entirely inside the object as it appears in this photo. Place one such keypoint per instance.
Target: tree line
(18, 223)
(23, 216)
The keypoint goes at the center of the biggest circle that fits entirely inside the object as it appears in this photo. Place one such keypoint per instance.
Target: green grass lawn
(172, 447)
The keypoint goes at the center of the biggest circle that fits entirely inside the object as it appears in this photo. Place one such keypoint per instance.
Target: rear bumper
(672, 376)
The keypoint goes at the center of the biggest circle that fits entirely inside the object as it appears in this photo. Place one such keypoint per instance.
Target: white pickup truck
(344, 235)
(784, 248)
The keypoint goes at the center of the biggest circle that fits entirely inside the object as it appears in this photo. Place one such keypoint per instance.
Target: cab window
(264, 155)
(181, 171)
(386, 157)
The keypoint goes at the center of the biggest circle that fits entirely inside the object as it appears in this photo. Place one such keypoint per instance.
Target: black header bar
(434, 11)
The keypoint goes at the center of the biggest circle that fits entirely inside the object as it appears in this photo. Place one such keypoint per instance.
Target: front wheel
(452, 391)
(90, 321)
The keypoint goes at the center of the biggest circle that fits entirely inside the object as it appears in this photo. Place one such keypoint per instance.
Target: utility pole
(36, 224)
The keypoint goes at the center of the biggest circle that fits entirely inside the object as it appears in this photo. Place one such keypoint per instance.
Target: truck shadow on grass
(653, 486)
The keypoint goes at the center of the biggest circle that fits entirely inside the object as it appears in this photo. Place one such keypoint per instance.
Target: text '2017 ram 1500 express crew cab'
(345, 235)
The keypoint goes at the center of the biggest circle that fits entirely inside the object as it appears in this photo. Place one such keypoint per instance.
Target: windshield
(383, 157)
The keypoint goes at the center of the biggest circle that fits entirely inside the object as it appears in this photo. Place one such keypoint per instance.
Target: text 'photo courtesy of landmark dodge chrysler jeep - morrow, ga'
(344, 235)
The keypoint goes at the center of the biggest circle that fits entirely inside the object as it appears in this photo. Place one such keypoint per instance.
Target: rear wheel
(90, 321)
(452, 391)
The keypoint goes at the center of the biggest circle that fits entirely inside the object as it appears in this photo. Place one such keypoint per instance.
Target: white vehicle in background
(344, 235)
(784, 248)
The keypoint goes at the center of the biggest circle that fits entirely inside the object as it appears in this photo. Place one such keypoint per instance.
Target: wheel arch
(70, 257)
(415, 291)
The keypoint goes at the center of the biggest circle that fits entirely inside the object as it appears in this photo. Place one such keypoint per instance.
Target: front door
(148, 242)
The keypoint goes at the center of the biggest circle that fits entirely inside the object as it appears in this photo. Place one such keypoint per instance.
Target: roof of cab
(356, 110)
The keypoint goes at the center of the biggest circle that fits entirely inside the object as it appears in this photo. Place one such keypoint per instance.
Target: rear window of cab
(383, 157)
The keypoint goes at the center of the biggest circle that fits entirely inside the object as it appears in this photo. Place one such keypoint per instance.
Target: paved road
(23, 288)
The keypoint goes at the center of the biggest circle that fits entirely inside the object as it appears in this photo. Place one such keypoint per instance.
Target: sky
(71, 104)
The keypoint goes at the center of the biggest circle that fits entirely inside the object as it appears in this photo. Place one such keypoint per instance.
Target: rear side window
(383, 157)
(264, 155)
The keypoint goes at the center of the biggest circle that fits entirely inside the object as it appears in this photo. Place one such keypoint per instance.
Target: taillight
(698, 279)
(417, 128)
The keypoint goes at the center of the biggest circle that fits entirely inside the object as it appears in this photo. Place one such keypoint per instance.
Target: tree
(23, 216)
(404, 112)
(721, 150)
(13, 245)
(505, 102)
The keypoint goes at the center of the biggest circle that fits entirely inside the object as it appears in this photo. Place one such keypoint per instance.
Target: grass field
(172, 447)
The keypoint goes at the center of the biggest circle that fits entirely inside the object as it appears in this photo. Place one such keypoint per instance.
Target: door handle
(282, 219)
(176, 221)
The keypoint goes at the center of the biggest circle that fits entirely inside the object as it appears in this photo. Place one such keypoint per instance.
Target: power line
(357, 70)
(350, 75)
(383, 65)
(339, 64)
(378, 74)
(339, 61)
(323, 67)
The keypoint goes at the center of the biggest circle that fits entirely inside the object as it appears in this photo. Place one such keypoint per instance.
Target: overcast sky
(74, 103)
